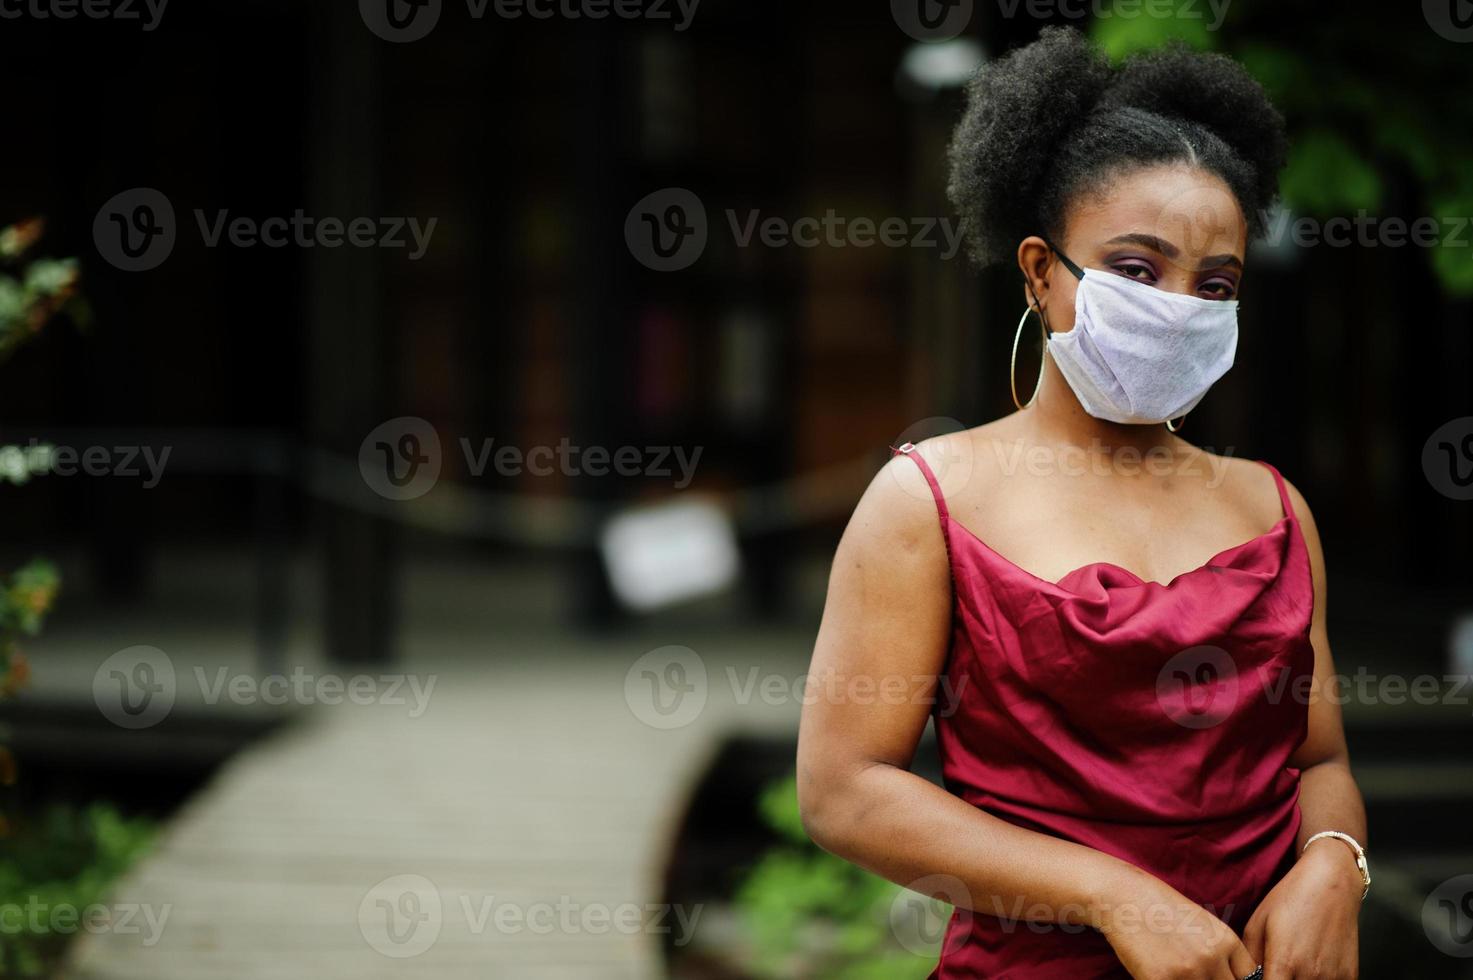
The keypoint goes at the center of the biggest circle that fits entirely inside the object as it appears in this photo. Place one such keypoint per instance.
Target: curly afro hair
(1054, 119)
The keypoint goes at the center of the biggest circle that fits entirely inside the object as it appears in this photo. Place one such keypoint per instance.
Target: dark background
(530, 320)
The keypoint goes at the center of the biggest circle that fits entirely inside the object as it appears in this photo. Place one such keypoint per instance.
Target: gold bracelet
(1354, 845)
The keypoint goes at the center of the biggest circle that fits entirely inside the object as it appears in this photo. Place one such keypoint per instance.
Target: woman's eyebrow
(1158, 244)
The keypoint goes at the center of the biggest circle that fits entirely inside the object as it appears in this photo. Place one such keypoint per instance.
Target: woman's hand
(1160, 934)
(1308, 925)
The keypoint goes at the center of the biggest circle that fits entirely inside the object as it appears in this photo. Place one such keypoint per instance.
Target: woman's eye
(1218, 289)
(1142, 273)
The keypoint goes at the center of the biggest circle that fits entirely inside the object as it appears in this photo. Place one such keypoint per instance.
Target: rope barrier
(455, 508)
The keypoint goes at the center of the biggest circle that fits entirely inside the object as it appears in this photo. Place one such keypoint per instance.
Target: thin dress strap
(909, 449)
(1283, 490)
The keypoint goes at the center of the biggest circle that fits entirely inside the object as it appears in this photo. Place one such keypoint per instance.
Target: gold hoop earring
(1013, 364)
(1177, 427)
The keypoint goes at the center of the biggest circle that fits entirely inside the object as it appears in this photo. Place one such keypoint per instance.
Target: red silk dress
(1151, 721)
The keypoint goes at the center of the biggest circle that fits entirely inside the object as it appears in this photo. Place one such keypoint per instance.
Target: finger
(1279, 970)
(1242, 962)
(1253, 938)
(1226, 971)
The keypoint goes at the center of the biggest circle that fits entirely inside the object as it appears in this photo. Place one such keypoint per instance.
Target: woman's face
(1175, 227)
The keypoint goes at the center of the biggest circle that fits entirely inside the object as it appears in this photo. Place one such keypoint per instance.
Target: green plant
(25, 598)
(32, 291)
(54, 873)
(808, 913)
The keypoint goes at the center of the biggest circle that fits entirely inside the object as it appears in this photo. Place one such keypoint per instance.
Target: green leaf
(1281, 73)
(1325, 176)
(1452, 257)
(1129, 26)
(50, 276)
(778, 806)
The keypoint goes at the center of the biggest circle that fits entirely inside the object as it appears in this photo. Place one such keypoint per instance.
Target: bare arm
(1307, 926)
(1328, 797)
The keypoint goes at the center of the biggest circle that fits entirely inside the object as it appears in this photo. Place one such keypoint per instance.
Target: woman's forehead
(1186, 207)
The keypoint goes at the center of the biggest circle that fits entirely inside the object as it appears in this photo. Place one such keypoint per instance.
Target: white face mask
(1139, 354)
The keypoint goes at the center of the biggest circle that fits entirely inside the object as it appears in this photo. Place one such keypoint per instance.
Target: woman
(1121, 639)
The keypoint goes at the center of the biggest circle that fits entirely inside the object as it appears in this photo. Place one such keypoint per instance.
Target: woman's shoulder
(942, 467)
(900, 504)
(1248, 485)
(906, 506)
(896, 532)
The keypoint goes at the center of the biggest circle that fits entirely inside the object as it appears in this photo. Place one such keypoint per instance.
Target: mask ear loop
(1069, 263)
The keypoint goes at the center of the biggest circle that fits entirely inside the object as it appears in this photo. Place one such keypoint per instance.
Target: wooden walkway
(530, 802)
